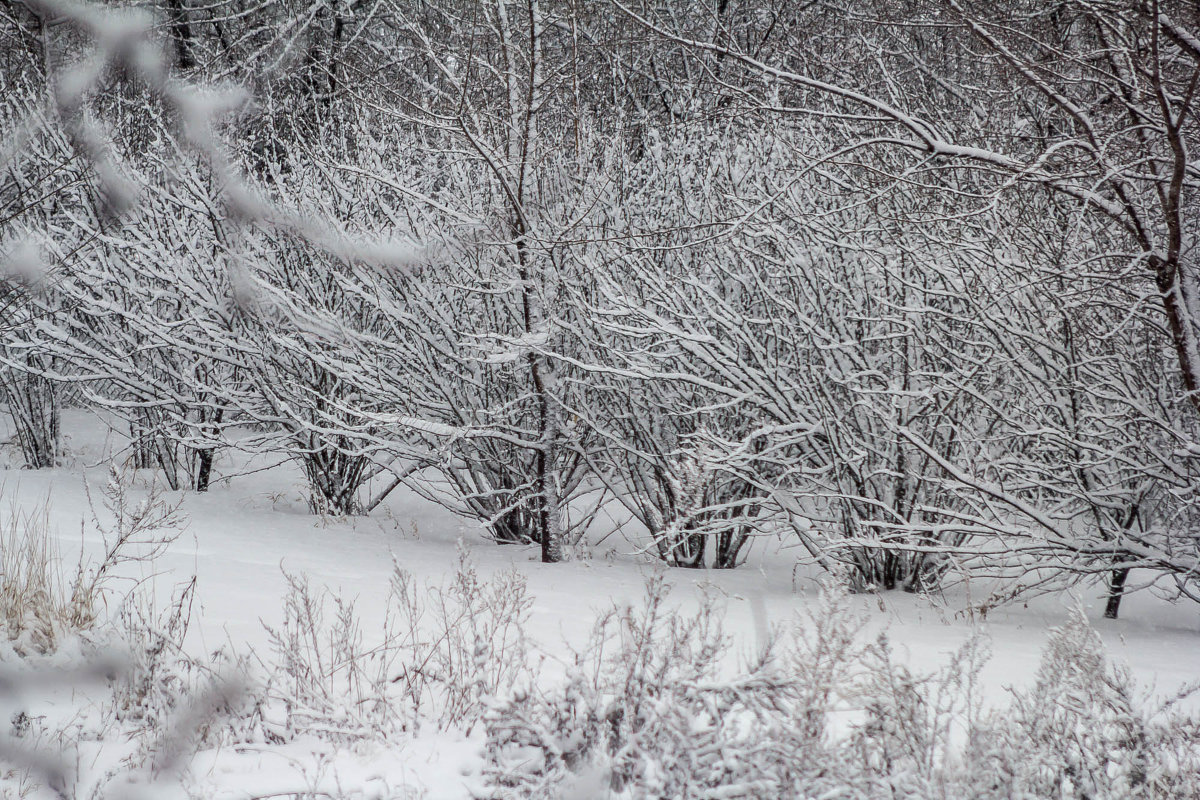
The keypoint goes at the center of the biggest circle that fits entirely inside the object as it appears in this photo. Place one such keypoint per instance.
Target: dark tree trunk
(1116, 591)
(205, 455)
(515, 526)
(204, 462)
(181, 34)
(689, 550)
(1166, 276)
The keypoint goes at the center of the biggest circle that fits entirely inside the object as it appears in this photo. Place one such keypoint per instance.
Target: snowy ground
(243, 534)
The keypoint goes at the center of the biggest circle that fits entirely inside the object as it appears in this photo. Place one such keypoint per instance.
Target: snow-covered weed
(656, 703)
(472, 647)
(161, 686)
(160, 702)
(43, 600)
(323, 677)
(911, 724)
(441, 654)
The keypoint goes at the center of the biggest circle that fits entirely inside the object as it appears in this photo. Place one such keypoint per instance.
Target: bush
(646, 712)
(35, 406)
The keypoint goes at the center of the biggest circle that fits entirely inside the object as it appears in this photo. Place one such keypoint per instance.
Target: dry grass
(42, 599)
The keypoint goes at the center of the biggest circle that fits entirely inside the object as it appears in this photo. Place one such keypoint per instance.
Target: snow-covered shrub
(689, 506)
(649, 710)
(32, 401)
(646, 712)
(1083, 730)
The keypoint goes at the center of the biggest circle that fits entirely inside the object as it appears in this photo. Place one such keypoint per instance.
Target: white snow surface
(254, 523)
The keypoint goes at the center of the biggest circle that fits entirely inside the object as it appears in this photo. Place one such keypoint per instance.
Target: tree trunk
(205, 455)
(1116, 591)
(1179, 322)
(334, 478)
(204, 462)
(181, 34)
